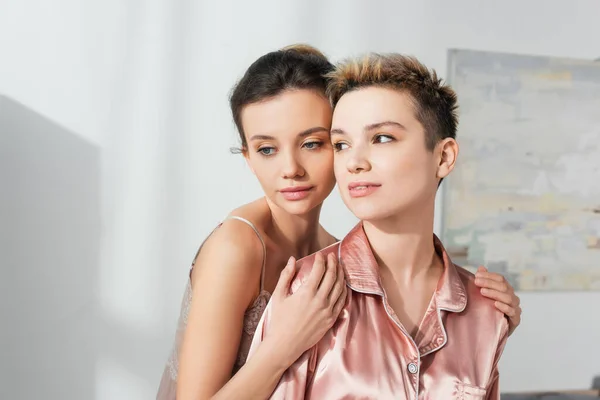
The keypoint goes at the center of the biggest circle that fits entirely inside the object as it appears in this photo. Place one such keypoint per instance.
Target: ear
(447, 150)
(247, 158)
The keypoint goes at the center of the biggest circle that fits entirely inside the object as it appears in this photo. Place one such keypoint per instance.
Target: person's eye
(312, 145)
(266, 151)
(383, 139)
(339, 146)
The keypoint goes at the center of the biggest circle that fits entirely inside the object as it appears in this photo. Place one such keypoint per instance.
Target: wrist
(281, 354)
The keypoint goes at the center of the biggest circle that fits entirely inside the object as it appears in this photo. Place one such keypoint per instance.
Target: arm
(298, 376)
(496, 287)
(291, 381)
(224, 280)
(300, 321)
(220, 299)
(258, 377)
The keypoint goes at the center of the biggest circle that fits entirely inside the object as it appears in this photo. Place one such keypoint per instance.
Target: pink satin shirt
(369, 355)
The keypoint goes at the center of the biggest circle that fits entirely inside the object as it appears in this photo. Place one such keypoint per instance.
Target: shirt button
(412, 368)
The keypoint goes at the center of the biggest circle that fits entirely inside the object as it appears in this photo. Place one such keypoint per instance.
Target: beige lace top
(168, 384)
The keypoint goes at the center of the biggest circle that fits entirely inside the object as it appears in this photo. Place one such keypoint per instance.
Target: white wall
(143, 85)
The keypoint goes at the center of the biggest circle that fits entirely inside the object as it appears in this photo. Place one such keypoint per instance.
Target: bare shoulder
(232, 255)
(257, 212)
(304, 265)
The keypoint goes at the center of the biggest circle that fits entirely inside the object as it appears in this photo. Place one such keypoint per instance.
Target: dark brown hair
(293, 67)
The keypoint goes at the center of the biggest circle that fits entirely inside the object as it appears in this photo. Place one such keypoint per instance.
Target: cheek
(412, 173)
(265, 171)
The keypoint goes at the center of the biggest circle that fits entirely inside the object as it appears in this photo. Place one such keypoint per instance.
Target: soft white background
(108, 191)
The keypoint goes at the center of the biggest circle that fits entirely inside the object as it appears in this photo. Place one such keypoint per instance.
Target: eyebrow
(371, 127)
(301, 134)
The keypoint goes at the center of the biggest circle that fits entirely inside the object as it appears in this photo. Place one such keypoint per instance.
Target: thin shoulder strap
(264, 246)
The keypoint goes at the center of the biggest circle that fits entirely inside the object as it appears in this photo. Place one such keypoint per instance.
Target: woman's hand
(300, 320)
(496, 287)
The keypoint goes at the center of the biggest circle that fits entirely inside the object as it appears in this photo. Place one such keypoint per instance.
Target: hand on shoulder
(495, 286)
(299, 320)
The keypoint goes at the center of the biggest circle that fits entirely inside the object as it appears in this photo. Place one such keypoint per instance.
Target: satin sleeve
(493, 389)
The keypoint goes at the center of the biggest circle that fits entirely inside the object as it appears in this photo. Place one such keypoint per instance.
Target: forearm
(259, 376)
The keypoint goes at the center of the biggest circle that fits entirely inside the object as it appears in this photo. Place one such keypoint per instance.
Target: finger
(481, 269)
(506, 309)
(516, 300)
(340, 302)
(498, 296)
(491, 284)
(316, 274)
(514, 321)
(340, 279)
(338, 289)
(490, 275)
(336, 293)
(285, 279)
(329, 279)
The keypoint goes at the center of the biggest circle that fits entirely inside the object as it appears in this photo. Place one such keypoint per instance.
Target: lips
(295, 193)
(362, 189)
(292, 189)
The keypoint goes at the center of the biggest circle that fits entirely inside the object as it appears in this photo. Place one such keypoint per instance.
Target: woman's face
(382, 165)
(289, 150)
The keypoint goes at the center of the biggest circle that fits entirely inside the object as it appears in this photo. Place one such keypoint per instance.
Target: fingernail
(290, 260)
(484, 291)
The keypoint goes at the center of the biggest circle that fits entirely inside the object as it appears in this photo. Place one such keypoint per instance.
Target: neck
(411, 232)
(298, 233)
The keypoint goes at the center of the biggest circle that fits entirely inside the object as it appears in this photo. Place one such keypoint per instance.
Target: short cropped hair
(435, 103)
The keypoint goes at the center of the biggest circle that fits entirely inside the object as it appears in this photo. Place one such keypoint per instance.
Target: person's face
(382, 165)
(288, 149)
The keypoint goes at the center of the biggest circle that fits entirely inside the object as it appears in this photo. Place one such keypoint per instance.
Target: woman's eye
(312, 145)
(339, 146)
(383, 139)
(267, 151)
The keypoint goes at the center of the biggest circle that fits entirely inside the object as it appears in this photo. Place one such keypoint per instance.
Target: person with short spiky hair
(435, 104)
(414, 325)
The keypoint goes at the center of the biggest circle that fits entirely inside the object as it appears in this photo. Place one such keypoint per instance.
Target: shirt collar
(362, 271)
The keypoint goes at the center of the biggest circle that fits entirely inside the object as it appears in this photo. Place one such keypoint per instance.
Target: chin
(300, 207)
(369, 212)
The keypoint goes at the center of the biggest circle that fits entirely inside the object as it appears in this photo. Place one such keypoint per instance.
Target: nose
(292, 168)
(358, 161)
